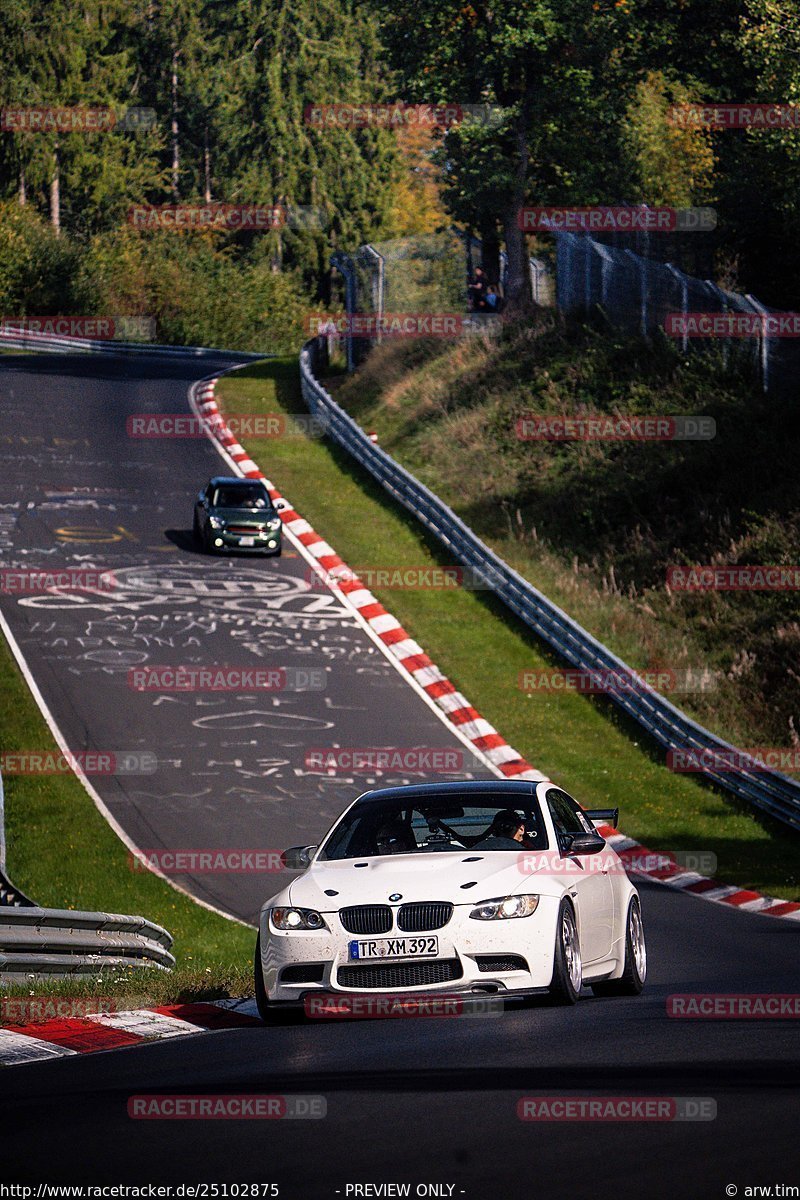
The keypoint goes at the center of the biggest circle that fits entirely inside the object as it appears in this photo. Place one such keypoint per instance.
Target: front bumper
(263, 543)
(463, 943)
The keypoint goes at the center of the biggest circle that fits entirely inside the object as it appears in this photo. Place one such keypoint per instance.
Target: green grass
(120, 991)
(62, 853)
(580, 742)
(596, 524)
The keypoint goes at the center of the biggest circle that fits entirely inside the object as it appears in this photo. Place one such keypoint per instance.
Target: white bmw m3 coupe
(498, 887)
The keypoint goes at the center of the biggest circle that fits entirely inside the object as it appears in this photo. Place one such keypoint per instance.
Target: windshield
(385, 826)
(241, 496)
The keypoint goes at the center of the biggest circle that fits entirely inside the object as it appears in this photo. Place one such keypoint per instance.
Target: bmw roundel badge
(395, 896)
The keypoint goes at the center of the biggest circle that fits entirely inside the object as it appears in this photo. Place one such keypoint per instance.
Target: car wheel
(196, 529)
(208, 545)
(567, 967)
(631, 981)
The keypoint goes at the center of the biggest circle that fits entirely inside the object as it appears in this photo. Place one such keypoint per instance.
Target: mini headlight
(296, 918)
(216, 522)
(274, 524)
(503, 908)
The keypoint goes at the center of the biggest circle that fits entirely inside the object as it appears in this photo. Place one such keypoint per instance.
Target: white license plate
(399, 947)
(247, 541)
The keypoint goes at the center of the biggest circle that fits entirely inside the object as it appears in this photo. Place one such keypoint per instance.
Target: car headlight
(296, 918)
(503, 908)
(216, 522)
(275, 524)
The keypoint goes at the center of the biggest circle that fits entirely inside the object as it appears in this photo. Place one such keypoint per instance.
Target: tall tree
(548, 64)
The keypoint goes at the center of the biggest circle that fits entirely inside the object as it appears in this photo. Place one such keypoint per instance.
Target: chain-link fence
(636, 292)
(642, 295)
(426, 274)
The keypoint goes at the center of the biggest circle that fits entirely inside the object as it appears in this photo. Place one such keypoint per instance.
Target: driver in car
(394, 838)
(506, 832)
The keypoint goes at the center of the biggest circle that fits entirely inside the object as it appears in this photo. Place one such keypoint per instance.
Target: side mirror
(297, 858)
(581, 843)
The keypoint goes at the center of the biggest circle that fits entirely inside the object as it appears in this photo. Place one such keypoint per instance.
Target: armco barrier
(767, 790)
(54, 941)
(58, 941)
(18, 340)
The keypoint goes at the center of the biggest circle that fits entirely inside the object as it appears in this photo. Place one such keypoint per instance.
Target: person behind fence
(493, 300)
(477, 291)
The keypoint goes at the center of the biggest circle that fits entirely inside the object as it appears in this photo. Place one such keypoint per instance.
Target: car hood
(427, 876)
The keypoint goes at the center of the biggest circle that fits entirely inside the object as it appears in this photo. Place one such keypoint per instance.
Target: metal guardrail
(767, 790)
(30, 340)
(54, 941)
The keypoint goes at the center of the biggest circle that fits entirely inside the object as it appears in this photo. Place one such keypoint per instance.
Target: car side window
(566, 815)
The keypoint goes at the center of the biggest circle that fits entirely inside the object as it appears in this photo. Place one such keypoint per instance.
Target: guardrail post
(378, 288)
(684, 284)
(724, 307)
(344, 264)
(640, 265)
(763, 311)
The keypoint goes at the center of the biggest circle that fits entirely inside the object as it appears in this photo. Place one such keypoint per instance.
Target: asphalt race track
(417, 1101)
(77, 491)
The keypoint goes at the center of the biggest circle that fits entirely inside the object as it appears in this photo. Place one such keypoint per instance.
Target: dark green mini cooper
(236, 514)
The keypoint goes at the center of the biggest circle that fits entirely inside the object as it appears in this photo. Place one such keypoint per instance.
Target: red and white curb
(667, 870)
(64, 1037)
(470, 725)
(399, 645)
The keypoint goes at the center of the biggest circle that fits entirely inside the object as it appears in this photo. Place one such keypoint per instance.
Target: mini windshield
(385, 826)
(240, 496)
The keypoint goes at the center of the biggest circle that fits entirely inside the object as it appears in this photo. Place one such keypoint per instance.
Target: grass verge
(121, 991)
(597, 523)
(63, 854)
(582, 742)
